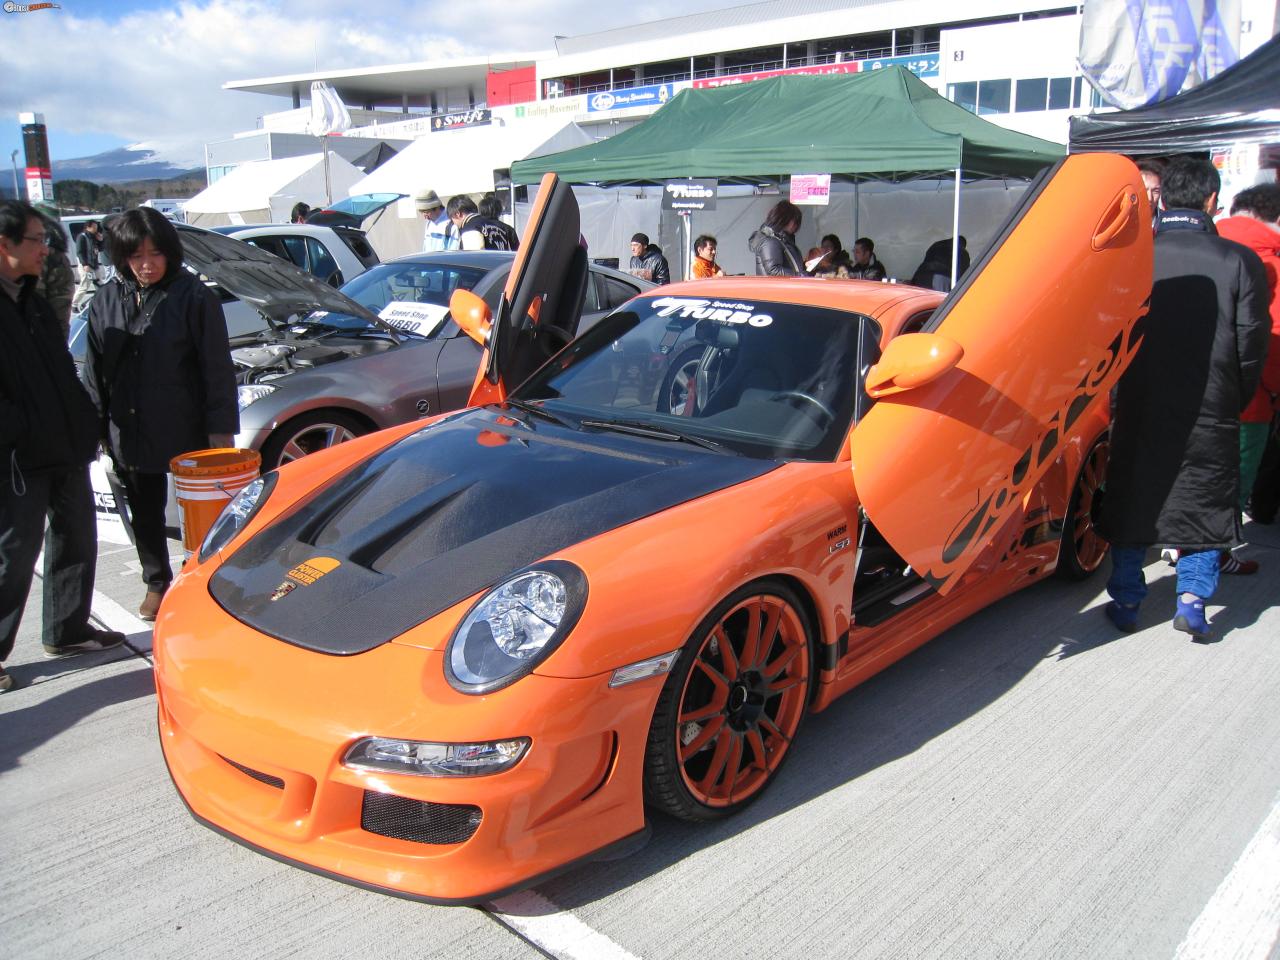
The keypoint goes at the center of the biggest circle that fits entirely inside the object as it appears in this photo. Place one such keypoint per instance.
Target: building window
(1031, 95)
(983, 96)
(993, 96)
(964, 94)
(1060, 93)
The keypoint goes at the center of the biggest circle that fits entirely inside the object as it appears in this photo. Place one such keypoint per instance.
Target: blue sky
(106, 73)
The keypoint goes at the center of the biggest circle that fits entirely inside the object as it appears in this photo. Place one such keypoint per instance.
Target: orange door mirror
(911, 360)
(471, 313)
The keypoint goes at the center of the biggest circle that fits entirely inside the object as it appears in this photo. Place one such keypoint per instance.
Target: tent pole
(328, 189)
(687, 260)
(955, 233)
(857, 232)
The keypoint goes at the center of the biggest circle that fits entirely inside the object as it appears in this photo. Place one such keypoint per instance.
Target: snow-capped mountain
(138, 161)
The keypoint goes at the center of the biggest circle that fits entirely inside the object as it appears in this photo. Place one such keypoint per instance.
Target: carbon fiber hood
(444, 513)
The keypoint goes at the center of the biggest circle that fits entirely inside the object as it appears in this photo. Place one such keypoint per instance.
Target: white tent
(266, 190)
(451, 162)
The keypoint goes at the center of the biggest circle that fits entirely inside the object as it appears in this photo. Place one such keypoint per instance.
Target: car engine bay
(266, 357)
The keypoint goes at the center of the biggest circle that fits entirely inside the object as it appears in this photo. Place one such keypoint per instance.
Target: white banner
(1135, 52)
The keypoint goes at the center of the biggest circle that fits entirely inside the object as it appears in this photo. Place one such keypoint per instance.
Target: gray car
(392, 356)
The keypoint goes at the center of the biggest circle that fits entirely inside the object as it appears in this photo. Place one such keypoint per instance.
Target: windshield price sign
(687, 195)
(419, 318)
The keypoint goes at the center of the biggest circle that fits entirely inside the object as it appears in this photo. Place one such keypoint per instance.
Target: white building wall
(1028, 50)
(852, 18)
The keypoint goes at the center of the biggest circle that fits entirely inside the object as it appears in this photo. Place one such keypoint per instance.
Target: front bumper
(253, 731)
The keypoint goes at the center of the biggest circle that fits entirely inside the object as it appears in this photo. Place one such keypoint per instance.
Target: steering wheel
(552, 338)
(826, 411)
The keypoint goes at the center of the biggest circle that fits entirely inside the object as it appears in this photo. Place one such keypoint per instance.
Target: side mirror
(471, 313)
(912, 360)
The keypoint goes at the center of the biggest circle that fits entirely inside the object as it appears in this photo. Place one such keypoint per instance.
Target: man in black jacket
(1174, 474)
(47, 438)
(647, 261)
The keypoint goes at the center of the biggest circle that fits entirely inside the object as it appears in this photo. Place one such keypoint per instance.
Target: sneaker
(95, 641)
(1227, 563)
(150, 606)
(1124, 616)
(1190, 619)
(6, 681)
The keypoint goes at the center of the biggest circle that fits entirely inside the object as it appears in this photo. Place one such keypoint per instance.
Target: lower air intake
(258, 775)
(391, 816)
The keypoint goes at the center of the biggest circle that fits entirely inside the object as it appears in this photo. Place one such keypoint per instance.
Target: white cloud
(156, 76)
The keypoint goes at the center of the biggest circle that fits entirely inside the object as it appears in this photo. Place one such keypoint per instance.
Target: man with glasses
(48, 436)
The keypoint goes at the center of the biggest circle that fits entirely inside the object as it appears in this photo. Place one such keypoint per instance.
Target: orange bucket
(204, 481)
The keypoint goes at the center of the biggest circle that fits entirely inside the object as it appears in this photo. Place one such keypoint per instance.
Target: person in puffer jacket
(647, 261)
(158, 369)
(774, 244)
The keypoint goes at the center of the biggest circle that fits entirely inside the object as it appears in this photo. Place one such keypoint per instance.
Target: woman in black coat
(1174, 473)
(159, 371)
(774, 244)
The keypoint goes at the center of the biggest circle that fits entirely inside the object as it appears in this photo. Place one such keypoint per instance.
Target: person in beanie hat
(440, 233)
(647, 261)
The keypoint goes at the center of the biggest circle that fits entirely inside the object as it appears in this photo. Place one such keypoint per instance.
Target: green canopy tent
(885, 124)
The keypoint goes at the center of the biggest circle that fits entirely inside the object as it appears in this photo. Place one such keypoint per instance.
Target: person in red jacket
(1255, 223)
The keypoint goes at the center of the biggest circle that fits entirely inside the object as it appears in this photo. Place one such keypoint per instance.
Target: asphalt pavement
(1029, 784)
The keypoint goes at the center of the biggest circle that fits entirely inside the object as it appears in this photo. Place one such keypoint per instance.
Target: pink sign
(852, 66)
(811, 188)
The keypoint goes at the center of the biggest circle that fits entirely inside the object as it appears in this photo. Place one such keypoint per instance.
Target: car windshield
(770, 380)
(413, 297)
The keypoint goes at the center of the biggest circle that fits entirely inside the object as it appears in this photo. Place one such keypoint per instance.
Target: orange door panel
(1044, 326)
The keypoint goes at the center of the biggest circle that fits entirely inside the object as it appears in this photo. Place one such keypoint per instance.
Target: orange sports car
(450, 658)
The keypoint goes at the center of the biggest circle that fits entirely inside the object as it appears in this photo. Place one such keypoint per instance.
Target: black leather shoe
(95, 640)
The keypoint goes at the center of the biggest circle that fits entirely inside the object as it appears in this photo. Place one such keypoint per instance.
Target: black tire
(703, 761)
(1082, 550)
(309, 433)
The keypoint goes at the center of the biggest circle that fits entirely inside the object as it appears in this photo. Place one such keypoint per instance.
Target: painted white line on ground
(561, 934)
(115, 617)
(1242, 918)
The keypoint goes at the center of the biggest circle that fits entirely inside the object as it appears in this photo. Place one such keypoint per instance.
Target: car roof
(489, 259)
(869, 297)
(483, 259)
(269, 229)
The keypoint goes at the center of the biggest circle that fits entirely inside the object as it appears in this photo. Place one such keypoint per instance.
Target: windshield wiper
(656, 433)
(539, 411)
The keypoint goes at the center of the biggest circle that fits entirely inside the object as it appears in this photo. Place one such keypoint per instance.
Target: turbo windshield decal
(717, 310)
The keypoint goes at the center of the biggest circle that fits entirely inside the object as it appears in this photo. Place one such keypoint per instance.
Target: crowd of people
(158, 382)
(1194, 442)
(464, 224)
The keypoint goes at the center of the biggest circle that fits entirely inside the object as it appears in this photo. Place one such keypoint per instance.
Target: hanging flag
(1135, 53)
(328, 113)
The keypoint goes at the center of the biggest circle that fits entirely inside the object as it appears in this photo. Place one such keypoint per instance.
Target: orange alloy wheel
(1083, 550)
(731, 709)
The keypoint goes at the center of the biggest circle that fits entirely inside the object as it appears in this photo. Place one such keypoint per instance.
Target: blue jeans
(1197, 575)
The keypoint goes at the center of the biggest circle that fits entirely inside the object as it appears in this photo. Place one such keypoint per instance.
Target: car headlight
(426, 759)
(515, 626)
(252, 392)
(236, 514)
